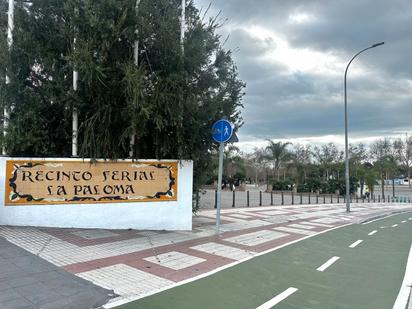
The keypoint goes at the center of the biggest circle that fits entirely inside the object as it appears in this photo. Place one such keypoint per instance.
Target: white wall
(176, 215)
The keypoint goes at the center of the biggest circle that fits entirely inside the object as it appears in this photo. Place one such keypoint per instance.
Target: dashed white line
(409, 219)
(404, 221)
(395, 225)
(373, 232)
(355, 243)
(324, 266)
(278, 298)
(382, 227)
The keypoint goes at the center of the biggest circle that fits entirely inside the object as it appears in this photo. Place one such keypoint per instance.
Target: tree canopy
(169, 101)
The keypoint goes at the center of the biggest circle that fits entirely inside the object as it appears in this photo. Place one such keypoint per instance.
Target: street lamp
(346, 129)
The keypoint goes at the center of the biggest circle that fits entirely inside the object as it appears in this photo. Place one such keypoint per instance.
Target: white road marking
(381, 218)
(395, 225)
(382, 227)
(278, 298)
(316, 224)
(403, 296)
(404, 221)
(373, 232)
(355, 243)
(328, 263)
(123, 301)
(409, 219)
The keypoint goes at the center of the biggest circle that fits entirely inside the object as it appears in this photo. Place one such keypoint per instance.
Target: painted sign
(73, 182)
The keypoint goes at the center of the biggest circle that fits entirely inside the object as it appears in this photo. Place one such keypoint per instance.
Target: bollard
(197, 199)
(338, 198)
(234, 199)
(324, 199)
(309, 198)
(283, 201)
(301, 202)
(379, 198)
(260, 198)
(383, 198)
(293, 199)
(369, 198)
(271, 198)
(247, 198)
(215, 198)
(331, 198)
(388, 199)
(317, 198)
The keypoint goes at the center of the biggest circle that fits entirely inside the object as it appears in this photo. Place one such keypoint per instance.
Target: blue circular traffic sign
(222, 131)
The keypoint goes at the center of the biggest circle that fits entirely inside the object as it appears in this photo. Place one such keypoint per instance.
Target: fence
(260, 198)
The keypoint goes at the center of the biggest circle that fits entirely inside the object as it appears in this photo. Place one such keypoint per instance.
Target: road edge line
(402, 300)
(134, 298)
(384, 216)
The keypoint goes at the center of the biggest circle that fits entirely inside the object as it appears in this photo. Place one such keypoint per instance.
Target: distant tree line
(307, 168)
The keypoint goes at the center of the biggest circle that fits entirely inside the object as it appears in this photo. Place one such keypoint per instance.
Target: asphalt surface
(367, 274)
(27, 281)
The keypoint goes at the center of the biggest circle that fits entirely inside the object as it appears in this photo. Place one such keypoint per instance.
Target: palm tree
(278, 153)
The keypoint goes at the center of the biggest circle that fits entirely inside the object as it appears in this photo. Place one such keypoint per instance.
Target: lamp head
(378, 44)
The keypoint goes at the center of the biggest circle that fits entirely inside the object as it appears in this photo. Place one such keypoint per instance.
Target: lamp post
(346, 128)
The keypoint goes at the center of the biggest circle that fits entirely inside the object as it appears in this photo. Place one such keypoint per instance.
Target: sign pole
(219, 186)
(222, 132)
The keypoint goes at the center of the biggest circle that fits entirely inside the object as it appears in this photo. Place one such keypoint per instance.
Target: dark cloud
(285, 103)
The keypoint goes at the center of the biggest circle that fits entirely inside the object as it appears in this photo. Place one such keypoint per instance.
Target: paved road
(356, 266)
(27, 281)
(136, 263)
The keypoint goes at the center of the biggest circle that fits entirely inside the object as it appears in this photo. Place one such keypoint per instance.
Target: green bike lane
(367, 276)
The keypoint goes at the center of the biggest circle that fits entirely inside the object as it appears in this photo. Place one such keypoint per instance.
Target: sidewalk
(27, 281)
(138, 263)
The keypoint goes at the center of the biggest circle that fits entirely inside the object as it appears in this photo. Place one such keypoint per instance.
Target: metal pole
(75, 117)
(75, 113)
(219, 187)
(10, 27)
(136, 62)
(346, 128)
(183, 26)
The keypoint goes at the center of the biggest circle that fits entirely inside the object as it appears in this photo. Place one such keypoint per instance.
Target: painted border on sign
(15, 198)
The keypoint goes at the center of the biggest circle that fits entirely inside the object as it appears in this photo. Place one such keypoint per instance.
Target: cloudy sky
(292, 54)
